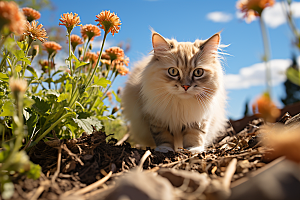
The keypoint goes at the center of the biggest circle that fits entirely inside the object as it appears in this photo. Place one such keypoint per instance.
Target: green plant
(68, 101)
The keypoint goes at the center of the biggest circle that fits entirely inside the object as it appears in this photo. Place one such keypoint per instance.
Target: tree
(292, 90)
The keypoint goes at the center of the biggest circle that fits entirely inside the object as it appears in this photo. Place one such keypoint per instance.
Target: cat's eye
(173, 71)
(198, 72)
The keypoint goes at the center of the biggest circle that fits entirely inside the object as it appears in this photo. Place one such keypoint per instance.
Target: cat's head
(185, 69)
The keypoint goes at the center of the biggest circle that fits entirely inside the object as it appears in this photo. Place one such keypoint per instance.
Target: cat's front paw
(164, 149)
(196, 149)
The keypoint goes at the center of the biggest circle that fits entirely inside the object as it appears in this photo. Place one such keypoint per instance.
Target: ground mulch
(90, 167)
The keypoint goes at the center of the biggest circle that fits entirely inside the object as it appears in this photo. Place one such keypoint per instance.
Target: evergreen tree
(247, 110)
(292, 90)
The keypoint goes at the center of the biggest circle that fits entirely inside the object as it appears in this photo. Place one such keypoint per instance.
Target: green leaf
(31, 123)
(40, 106)
(86, 124)
(68, 86)
(83, 115)
(32, 71)
(8, 109)
(10, 44)
(293, 75)
(79, 104)
(28, 102)
(69, 110)
(116, 96)
(34, 172)
(85, 94)
(62, 97)
(22, 45)
(80, 63)
(21, 56)
(4, 77)
(100, 82)
(72, 128)
(52, 92)
(18, 68)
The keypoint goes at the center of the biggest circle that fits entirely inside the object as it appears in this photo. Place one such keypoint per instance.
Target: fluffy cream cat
(175, 98)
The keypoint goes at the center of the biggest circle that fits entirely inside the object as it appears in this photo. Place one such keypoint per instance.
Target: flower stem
(85, 48)
(18, 122)
(96, 67)
(49, 72)
(104, 93)
(90, 78)
(30, 40)
(70, 53)
(266, 56)
(287, 9)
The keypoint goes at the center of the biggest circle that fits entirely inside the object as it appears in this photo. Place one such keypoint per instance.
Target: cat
(175, 98)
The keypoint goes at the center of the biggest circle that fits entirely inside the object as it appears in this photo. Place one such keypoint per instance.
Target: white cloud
(274, 16)
(255, 75)
(219, 16)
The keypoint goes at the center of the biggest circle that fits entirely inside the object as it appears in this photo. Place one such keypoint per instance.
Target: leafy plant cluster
(61, 101)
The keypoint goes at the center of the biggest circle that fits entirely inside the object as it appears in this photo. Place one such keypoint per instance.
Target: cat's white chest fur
(172, 111)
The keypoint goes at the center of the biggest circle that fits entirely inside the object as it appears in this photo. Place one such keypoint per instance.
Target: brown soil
(90, 158)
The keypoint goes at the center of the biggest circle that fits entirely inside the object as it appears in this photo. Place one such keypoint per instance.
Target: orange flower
(75, 40)
(11, 16)
(90, 31)
(284, 141)
(45, 65)
(109, 95)
(105, 58)
(266, 108)
(35, 32)
(253, 8)
(51, 47)
(31, 14)
(69, 21)
(118, 59)
(122, 70)
(91, 56)
(109, 22)
(115, 53)
(17, 85)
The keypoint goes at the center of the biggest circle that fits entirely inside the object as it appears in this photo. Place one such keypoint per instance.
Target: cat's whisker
(202, 102)
(205, 99)
(208, 88)
(211, 94)
(208, 95)
(199, 101)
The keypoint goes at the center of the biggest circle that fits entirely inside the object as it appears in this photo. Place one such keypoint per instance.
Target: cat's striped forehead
(185, 53)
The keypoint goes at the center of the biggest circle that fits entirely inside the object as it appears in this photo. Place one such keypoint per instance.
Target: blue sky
(187, 21)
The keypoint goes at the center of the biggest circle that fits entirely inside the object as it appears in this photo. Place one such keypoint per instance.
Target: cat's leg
(194, 137)
(163, 138)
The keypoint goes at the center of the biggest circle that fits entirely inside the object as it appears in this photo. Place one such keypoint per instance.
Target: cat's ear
(211, 45)
(159, 43)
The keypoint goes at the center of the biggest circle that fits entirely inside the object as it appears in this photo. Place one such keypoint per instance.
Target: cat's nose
(185, 87)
